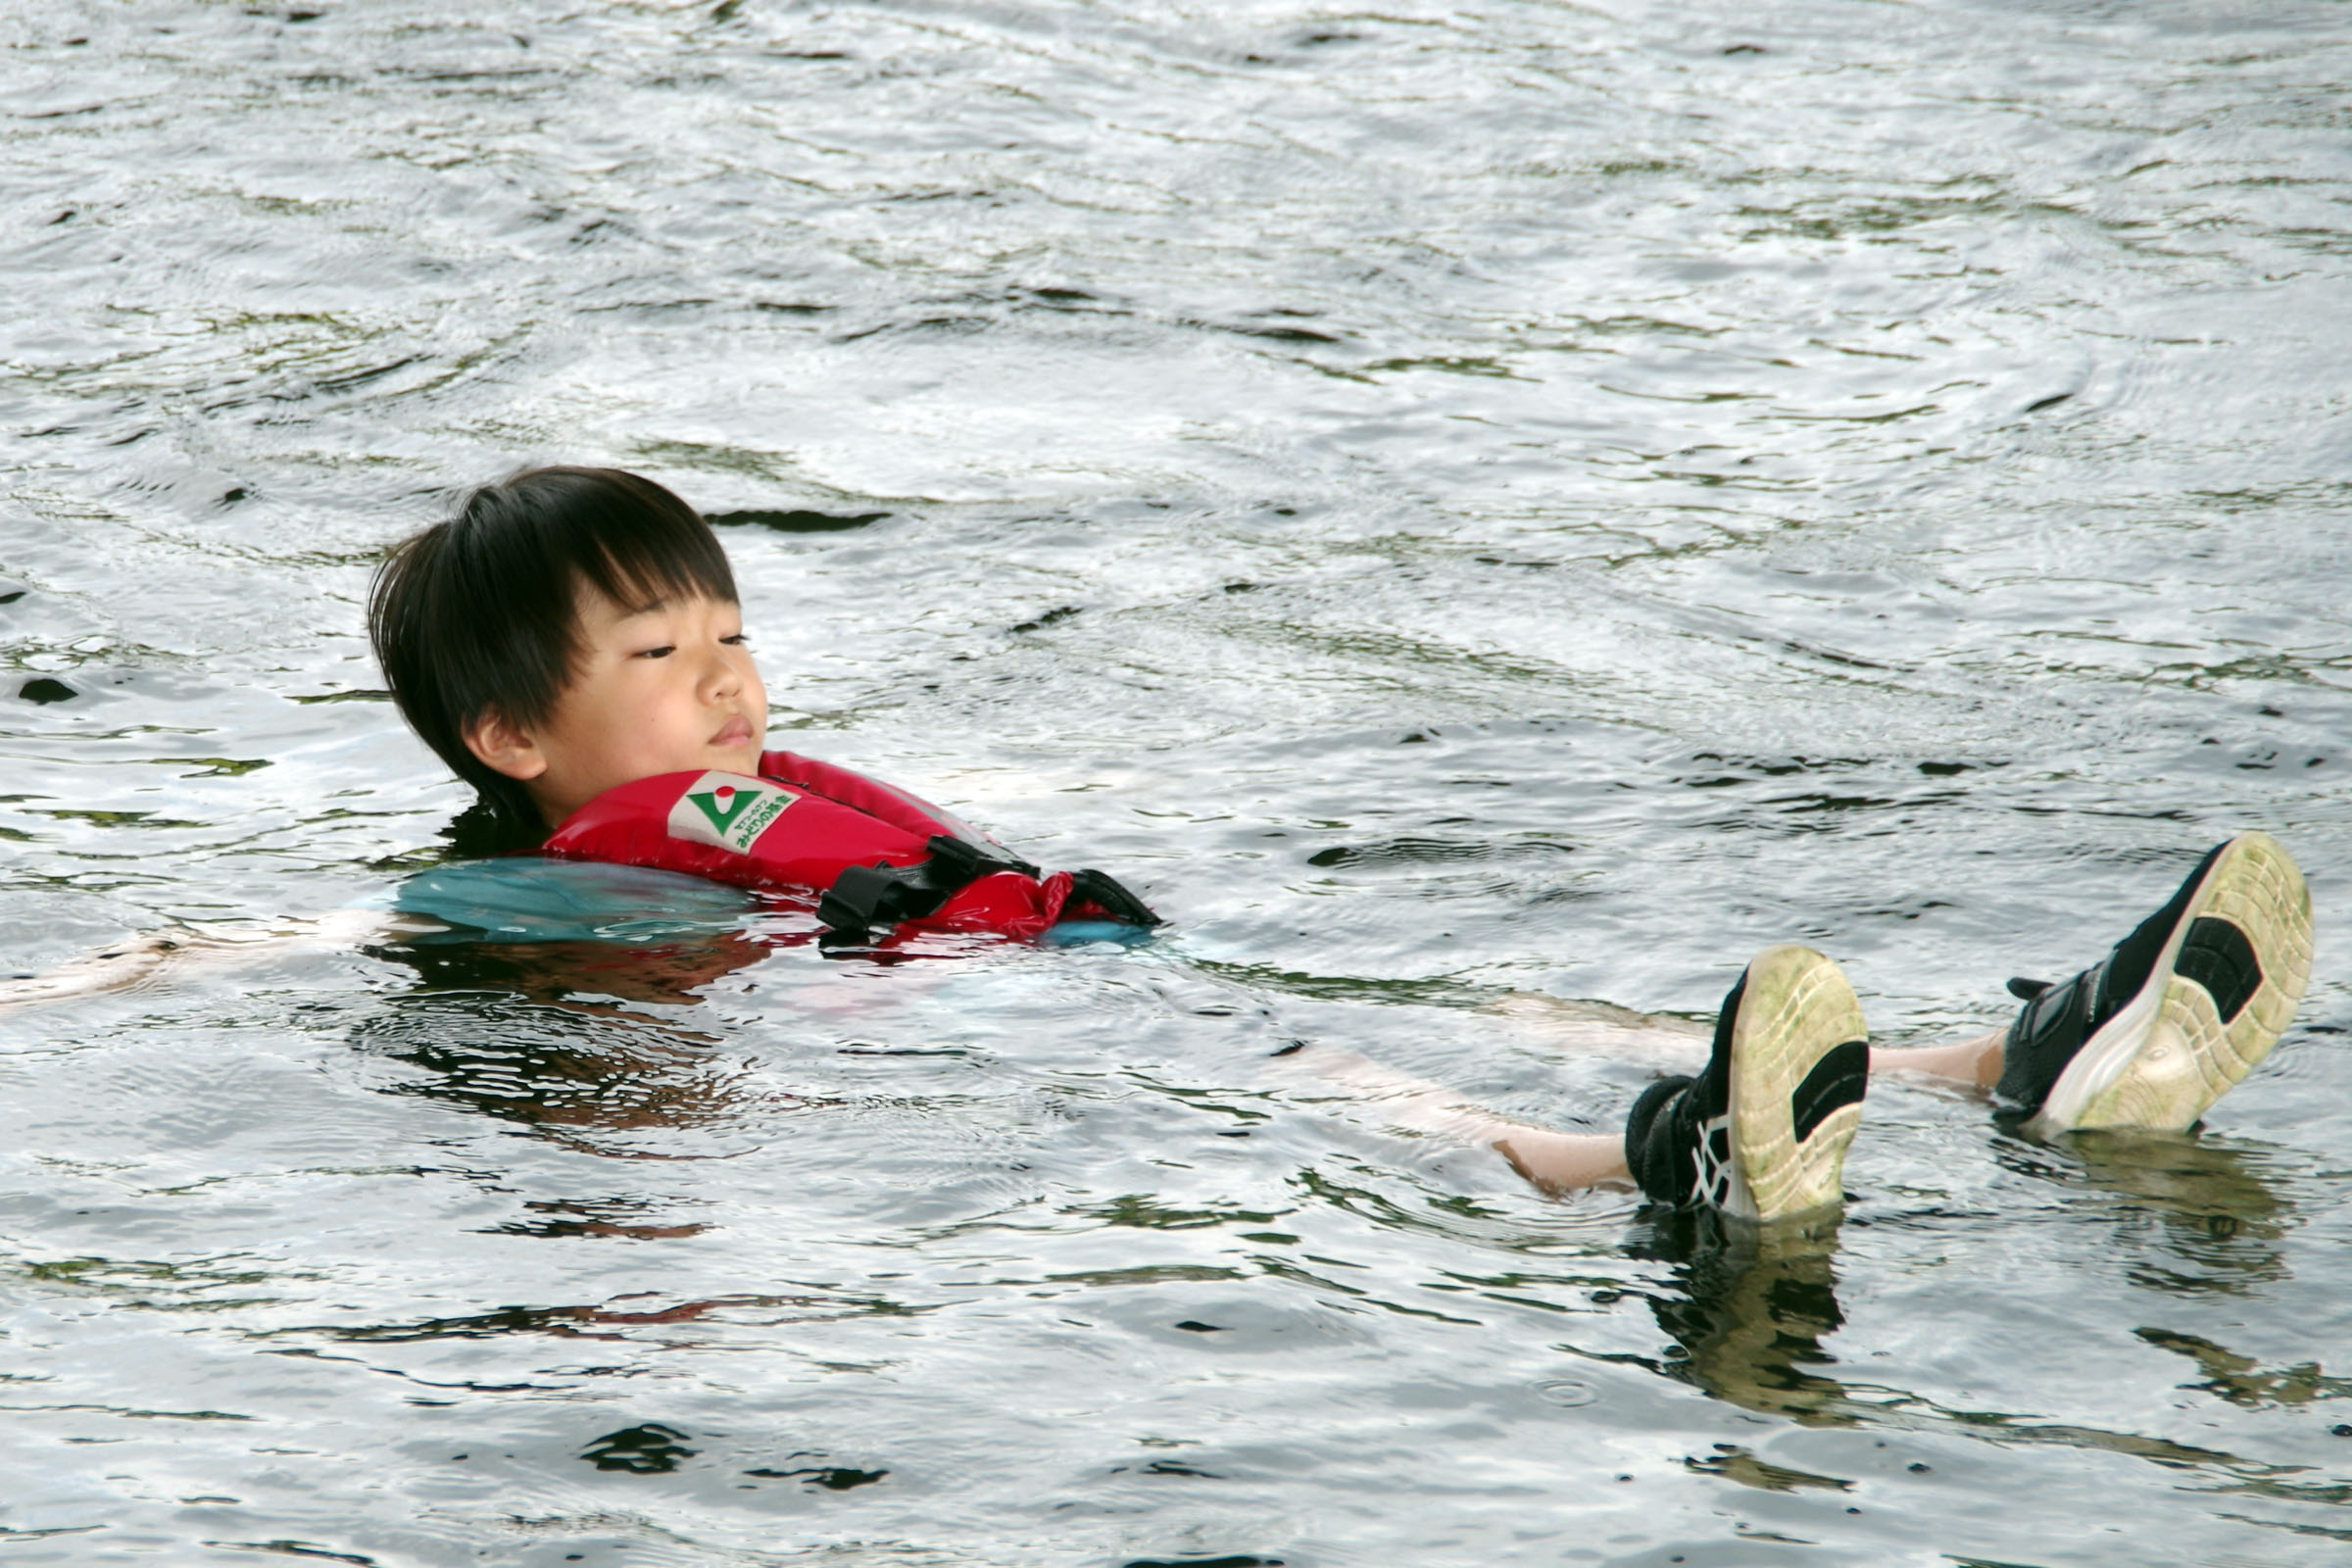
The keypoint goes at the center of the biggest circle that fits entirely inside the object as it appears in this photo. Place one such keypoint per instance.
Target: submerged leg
(139, 960)
(1554, 1161)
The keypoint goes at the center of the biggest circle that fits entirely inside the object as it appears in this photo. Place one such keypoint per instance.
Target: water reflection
(562, 974)
(2244, 1381)
(1748, 1305)
(2210, 1219)
(1749, 1309)
(570, 1038)
(634, 1218)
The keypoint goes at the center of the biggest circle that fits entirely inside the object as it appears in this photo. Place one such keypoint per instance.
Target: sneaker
(1762, 1132)
(2154, 1033)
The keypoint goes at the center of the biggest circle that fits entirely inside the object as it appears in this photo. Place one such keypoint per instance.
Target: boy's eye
(663, 652)
(738, 640)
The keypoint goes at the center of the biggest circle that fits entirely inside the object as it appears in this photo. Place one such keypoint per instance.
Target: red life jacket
(875, 855)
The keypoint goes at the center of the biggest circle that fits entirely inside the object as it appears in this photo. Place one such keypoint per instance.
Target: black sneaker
(1762, 1132)
(2154, 1033)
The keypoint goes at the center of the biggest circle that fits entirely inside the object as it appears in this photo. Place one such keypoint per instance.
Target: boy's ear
(504, 747)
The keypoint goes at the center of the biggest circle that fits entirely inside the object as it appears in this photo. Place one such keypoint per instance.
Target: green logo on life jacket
(723, 805)
(729, 810)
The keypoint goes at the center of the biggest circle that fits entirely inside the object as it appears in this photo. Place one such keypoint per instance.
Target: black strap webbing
(864, 897)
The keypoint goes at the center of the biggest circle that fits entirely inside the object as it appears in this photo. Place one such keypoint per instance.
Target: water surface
(1457, 503)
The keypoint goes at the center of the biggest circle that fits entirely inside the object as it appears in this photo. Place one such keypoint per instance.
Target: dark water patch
(356, 695)
(647, 1448)
(220, 766)
(1148, 1274)
(625, 1218)
(827, 1478)
(140, 819)
(1168, 1467)
(289, 1547)
(132, 1413)
(1051, 617)
(1272, 332)
(795, 521)
(607, 1321)
(1139, 1209)
(1062, 298)
(1732, 1462)
(1414, 852)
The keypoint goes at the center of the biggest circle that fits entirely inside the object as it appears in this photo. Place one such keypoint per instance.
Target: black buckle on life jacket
(1101, 890)
(864, 897)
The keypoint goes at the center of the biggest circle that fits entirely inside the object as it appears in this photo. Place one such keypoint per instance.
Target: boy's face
(658, 689)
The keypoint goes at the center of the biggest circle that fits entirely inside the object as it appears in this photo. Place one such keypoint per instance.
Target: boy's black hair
(479, 615)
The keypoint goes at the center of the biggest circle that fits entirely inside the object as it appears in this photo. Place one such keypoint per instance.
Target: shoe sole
(2220, 993)
(1799, 1066)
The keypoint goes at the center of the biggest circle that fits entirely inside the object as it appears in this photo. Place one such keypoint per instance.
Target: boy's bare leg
(1974, 1062)
(1671, 1041)
(1554, 1161)
(1761, 1132)
(1595, 1028)
(1560, 1162)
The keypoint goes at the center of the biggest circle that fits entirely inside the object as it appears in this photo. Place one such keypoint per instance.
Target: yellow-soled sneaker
(2177, 1013)
(1762, 1132)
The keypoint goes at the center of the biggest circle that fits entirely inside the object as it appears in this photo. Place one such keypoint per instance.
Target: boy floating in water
(571, 639)
(574, 630)
(573, 635)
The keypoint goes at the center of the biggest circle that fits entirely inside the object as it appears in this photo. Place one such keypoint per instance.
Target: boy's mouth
(734, 732)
